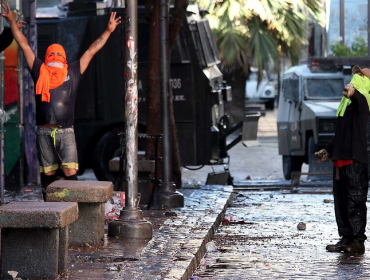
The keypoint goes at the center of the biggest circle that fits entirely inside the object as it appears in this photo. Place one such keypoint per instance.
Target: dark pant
(350, 195)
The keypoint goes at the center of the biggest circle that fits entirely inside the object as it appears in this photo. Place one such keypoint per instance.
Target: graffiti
(127, 23)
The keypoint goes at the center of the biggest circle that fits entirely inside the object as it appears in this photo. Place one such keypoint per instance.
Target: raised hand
(20, 23)
(113, 22)
(7, 13)
(322, 156)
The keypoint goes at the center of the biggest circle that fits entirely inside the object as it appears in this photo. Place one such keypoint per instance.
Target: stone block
(34, 238)
(91, 197)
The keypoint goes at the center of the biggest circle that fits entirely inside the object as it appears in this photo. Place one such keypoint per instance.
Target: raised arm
(18, 35)
(99, 43)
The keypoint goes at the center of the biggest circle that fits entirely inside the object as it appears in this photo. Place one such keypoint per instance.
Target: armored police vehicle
(308, 101)
(197, 84)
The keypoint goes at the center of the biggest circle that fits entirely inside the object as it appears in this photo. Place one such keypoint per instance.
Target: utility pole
(341, 21)
(130, 224)
(167, 195)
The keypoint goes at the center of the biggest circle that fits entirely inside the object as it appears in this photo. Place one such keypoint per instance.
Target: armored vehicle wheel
(270, 105)
(290, 164)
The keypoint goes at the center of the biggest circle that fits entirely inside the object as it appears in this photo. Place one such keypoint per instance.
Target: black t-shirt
(60, 109)
(6, 38)
(350, 140)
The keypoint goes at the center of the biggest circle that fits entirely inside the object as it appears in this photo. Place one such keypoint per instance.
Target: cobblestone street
(260, 240)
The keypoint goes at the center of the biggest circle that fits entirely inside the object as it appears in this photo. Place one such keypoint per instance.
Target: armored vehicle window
(323, 88)
(290, 88)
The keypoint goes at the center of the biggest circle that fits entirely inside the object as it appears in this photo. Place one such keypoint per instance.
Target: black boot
(72, 177)
(46, 180)
(338, 247)
(355, 247)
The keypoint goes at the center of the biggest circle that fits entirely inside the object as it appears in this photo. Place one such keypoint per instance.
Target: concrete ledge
(37, 214)
(91, 197)
(79, 191)
(34, 238)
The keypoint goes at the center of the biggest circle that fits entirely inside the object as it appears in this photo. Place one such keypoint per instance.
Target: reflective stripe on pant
(350, 195)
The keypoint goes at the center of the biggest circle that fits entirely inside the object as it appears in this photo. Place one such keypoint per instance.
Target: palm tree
(258, 31)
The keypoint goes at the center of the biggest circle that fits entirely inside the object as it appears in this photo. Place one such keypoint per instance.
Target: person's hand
(322, 156)
(113, 22)
(7, 13)
(20, 23)
(349, 90)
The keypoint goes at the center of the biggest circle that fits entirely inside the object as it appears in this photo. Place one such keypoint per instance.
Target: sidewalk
(178, 243)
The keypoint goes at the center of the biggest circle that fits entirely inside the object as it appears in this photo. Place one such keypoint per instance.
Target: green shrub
(358, 48)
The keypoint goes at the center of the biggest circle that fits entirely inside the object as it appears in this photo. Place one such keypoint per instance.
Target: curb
(179, 244)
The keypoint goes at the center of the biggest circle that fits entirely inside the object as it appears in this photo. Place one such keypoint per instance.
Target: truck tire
(270, 105)
(290, 164)
(106, 149)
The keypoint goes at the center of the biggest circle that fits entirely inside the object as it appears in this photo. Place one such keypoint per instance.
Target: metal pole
(130, 223)
(341, 20)
(167, 196)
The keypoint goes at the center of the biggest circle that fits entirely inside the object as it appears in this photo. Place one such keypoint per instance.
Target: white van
(265, 93)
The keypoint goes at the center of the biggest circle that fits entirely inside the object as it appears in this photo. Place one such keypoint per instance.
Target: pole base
(170, 199)
(131, 225)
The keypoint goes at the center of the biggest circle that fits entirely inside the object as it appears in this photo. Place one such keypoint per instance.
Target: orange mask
(53, 71)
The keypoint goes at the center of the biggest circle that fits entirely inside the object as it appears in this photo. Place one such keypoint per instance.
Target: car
(262, 93)
(306, 117)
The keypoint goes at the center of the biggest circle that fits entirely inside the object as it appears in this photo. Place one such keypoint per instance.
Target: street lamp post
(130, 223)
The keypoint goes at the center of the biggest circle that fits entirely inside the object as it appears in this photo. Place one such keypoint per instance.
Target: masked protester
(348, 150)
(56, 88)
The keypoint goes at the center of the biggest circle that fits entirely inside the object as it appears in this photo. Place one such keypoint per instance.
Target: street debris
(211, 246)
(13, 273)
(301, 226)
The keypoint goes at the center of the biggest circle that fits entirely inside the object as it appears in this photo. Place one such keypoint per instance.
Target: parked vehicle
(264, 92)
(306, 119)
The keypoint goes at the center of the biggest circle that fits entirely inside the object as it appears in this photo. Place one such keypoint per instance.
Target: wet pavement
(259, 239)
(178, 243)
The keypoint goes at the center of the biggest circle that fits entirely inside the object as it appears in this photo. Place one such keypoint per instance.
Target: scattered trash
(225, 221)
(211, 246)
(203, 263)
(13, 273)
(301, 226)
(114, 205)
(170, 214)
(326, 200)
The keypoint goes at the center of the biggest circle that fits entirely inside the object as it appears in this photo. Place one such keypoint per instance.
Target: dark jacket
(350, 139)
(6, 38)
